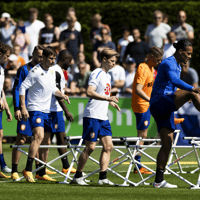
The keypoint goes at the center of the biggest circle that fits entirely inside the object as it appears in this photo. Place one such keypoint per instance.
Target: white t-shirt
(64, 26)
(41, 85)
(2, 78)
(60, 84)
(128, 82)
(169, 50)
(117, 73)
(96, 108)
(33, 30)
(156, 34)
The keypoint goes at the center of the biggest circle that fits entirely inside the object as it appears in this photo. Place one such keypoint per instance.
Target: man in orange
(142, 87)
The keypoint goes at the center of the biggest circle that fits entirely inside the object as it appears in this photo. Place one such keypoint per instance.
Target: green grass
(49, 190)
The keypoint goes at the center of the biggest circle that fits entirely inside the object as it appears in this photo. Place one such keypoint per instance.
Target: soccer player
(5, 51)
(142, 87)
(23, 128)
(41, 85)
(58, 105)
(165, 99)
(95, 120)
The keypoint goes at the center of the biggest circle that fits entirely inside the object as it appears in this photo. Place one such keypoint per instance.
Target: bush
(115, 14)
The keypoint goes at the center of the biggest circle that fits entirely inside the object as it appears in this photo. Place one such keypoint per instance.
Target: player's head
(155, 56)
(5, 51)
(38, 54)
(49, 56)
(64, 59)
(108, 57)
(183, 51)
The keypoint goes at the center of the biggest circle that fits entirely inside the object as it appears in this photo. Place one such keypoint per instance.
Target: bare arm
(141, 93)
(146, 39)
(27, 39)
(7, 109)
(73, 87)
(119, 83)
(24, 112)
(95, 60)
(81, 47)
(91, 93)
(68, 114)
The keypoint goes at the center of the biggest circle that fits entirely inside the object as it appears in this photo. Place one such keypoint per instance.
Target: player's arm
(1, 101)
(7, 109)
(91, 93)
(140, 92)
(68, 114)
(114, 105)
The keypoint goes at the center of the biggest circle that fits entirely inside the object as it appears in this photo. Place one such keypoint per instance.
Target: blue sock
(138, 158)
(2, 161)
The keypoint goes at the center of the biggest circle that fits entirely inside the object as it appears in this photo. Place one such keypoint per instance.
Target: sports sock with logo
(65, 162)
(2, 161)
(29, 164)
(159, 175)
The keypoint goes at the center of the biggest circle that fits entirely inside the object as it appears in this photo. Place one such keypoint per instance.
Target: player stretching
(41, 86)
(58, 105)
(4, 54)
(165, 99)
(95, 120)
(142, 87)
(23, 128)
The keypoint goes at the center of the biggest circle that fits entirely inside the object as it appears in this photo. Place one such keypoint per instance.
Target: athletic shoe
(6, 169)
(105, 182)
(164, 184)
(28, 175)
(178, 120)
(44, 177)
(15, 176)
(79, 181)
(143, 171)
(2, 175)
(73, 170)
(50, 172)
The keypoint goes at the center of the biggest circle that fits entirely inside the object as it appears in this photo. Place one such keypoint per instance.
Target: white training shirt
(60, 84)
(41, 85)
(2, 78)
(96, 108)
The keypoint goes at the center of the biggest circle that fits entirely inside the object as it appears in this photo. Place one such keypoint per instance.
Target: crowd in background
(23, 36)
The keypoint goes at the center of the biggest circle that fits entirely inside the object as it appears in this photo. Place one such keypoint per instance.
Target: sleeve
(28, 82)
(94, 79)
(62, 37)
(147, 32)
(195, 77)
(141, 75)
(127, 51)
(75, 78)
(113, 46)
(20, 76)
(190, 28)
(173, 77)
(95, 47)
(122, 74)
(80, 39)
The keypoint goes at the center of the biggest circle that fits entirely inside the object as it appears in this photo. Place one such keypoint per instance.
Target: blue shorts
(1, 115)
(58, 123)
(24, 127)
(93, 128)
(38, 118)
(143, 120)
(163, 113)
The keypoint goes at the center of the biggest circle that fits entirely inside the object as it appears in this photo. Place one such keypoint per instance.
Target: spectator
(129, 77)
(100, 45)
(156, 33)
(49, 35)
(71, 39)
(117, 74)
(165, 18)
(182, 29)
(80, 82)
(21, 38)
(70, 13)
(17, 50)
(189, 75)
(81, 58)
(8, 86)
(137, 49)
(169, 49)
(123, 42)
(7, 29)
(33, 26)
(95, 32)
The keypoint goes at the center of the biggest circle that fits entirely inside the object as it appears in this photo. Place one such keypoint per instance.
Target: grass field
(49, 190)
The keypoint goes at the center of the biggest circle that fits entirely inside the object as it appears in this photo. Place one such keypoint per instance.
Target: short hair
(104, 28)
(71, 18)
(125, 28)
(155, 51)
(48, 15)
(71, 9)
(64, 54)
(4, 48)
(49, 51)
(157, 11)
(33, 10)
(108, 53)
(135, 28)
(96, 16)
(182, 44)
(38, 47)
